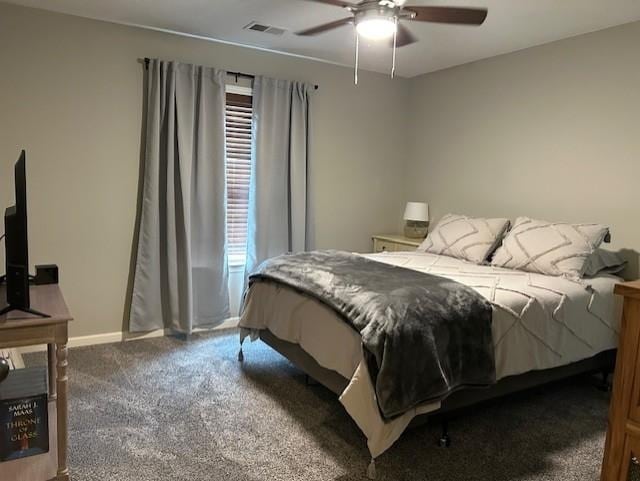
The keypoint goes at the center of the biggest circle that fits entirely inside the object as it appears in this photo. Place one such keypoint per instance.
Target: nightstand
(394, 243)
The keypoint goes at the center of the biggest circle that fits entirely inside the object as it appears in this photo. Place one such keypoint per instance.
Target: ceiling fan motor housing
(385, 9)
(376, 10)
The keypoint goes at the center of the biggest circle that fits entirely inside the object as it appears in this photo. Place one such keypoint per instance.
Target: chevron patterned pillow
(552, 248)
(472, 239)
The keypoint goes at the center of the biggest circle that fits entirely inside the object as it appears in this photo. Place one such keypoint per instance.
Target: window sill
(235, 267)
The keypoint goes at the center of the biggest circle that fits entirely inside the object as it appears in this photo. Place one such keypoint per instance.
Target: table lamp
(416, 216)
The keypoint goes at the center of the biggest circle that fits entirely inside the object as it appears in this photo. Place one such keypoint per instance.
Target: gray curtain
(278, 194)
(180, 279)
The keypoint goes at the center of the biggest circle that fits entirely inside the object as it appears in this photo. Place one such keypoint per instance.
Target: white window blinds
(238, 130)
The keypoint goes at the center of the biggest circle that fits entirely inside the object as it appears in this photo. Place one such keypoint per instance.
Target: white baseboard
(109, 337)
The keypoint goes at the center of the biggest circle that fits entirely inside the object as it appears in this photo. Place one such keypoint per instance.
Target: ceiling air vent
(259, 27)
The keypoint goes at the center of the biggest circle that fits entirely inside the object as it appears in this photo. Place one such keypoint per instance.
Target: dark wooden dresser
(622, 449)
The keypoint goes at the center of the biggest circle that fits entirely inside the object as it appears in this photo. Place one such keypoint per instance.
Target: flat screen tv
(16, 245)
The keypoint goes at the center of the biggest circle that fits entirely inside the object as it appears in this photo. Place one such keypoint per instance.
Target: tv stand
(18, 330)
(26, 310)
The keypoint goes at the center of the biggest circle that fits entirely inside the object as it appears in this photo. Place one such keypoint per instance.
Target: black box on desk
(24, 414)
(46, 274)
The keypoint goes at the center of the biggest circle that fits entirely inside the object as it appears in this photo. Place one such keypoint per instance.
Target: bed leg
(604, 384)
(445, 440)
(240, 353)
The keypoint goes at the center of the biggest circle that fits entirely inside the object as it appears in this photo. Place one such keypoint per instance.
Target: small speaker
(46, 274)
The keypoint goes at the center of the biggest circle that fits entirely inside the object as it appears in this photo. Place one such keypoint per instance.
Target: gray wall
(72, 97)
(551, 132)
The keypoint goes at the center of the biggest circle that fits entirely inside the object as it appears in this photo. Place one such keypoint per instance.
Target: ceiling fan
(380, 19)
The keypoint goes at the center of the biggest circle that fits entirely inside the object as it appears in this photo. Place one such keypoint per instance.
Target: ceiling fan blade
(325, 27)
(337, 3)
(462, 16)
(403, 37)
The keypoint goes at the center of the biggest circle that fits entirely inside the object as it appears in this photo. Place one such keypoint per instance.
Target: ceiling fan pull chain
(355, 78)
(395, 41)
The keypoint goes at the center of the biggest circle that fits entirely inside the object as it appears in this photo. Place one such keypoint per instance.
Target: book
(24, 414)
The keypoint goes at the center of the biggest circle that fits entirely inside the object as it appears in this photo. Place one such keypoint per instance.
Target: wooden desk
(18, 329)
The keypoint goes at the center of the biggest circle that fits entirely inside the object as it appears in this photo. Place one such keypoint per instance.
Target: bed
(544, 328)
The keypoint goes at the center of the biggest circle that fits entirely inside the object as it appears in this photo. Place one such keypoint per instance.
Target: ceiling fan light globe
(376, 28)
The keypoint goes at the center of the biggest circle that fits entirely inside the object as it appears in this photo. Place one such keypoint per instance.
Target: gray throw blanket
(424, 336)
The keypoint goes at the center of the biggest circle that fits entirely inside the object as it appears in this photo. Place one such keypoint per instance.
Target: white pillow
(552, 248)
(472, 239)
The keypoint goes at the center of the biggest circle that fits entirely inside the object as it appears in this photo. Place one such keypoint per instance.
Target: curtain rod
(233, 74)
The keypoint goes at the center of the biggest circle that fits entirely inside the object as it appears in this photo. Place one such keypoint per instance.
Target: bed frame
(456, 403)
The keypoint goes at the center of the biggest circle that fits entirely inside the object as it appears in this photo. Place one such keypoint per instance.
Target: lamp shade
(416, 211)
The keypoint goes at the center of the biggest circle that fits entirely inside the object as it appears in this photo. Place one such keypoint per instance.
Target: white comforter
(539, 322)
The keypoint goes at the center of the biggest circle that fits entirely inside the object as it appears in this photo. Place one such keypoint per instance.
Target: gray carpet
(168, 409)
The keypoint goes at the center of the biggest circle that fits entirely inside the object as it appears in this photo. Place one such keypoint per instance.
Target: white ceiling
(511, 25)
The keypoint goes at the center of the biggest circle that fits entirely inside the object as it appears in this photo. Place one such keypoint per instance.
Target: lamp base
(416, 229)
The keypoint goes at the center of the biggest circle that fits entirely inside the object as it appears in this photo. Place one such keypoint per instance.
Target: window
(238, 132)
